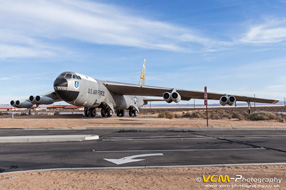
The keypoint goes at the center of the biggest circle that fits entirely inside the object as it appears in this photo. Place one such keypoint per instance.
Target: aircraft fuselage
(82, 90)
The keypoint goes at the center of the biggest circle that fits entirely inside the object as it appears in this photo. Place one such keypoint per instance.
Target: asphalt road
(132, 148)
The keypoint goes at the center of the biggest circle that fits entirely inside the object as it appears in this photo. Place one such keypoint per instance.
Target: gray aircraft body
(114, 97)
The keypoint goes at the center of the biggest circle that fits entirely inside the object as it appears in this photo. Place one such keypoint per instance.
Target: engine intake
(12, 103)
(223, 100)
(167, 97)
(176, 97)
(231, 100)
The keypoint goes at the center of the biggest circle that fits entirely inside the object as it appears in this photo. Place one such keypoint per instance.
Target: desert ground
(164, 178)
(144, 120)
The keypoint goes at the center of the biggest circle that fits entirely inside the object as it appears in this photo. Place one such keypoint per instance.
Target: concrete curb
(146, 167)
(159, 128)
(48, 138)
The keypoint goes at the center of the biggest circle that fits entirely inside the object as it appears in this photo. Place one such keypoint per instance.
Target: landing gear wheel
(92, 112)
(130, 112)
(86, 112)
(103, 112)
(122, 113)
(135, 113)
(109, 112)
(89, 112)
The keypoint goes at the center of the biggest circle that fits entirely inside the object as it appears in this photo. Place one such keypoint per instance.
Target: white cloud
(273, 31)
(34, 23)
(5, 78)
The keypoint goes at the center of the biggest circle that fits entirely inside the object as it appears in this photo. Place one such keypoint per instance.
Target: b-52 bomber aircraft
(114, 97)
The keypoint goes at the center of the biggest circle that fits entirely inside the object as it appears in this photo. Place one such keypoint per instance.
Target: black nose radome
(61, 82)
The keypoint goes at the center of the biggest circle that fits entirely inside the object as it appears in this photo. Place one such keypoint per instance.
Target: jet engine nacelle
(173, 96)
(43, 100)
(176, 97)
(227, 100)
(12, 103)
(167, 97)
(32, 99)
(231, 100)
(21, 104)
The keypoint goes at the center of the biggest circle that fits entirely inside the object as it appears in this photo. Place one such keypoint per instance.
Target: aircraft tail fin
(142, 77)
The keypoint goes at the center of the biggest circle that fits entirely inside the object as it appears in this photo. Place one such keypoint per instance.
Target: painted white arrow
(129, 159)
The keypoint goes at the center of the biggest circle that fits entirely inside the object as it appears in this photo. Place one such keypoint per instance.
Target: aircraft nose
(61, 82)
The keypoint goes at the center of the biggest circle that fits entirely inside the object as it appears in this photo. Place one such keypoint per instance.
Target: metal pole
(207, 115)
(195, 103)
(206, 103)
(254, 103)
(12, 113)
(284, 101)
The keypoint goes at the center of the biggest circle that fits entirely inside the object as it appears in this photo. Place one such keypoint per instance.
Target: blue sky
(235, 47)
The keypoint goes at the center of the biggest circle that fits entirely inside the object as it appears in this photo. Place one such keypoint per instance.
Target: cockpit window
(74, 76)
(78, 77)
(62, 74)
(68, 76)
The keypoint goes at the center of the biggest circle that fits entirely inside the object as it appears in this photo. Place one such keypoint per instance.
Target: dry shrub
(238, 116)
(177, 116)
(220, 114)
(196, 114)
(263, 115)
(168, 115)
(281, 118)
(187, 115)
(57, 113)
(215, 115)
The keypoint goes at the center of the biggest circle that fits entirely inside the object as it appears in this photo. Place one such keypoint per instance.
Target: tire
(122, 113)
(130, 112)
(135, 113)
(109, 112)
(86, 112)
(92, 112)
(103, 112)
(118, 113)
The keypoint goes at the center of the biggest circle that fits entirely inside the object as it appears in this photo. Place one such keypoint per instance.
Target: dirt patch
(56, 121)
(167, 178)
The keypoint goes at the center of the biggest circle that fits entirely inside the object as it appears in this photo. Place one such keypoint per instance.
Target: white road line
(182, 150)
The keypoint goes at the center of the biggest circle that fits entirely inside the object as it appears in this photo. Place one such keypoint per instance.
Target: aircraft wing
(53, 95)
(132, 89)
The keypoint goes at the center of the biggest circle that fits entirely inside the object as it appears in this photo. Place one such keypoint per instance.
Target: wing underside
(131, 89)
